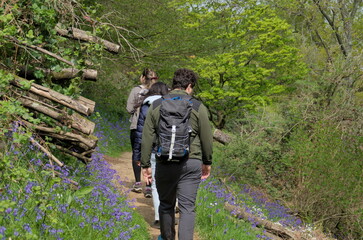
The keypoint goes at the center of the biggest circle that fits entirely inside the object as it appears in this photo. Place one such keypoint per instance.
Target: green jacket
(201, 136)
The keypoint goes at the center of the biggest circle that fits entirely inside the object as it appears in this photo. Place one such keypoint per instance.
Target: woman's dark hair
(183, 77)
(158, 88)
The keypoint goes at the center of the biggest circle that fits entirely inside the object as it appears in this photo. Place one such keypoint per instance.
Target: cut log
(221, 137)
(64, 74)
(48, 153)
(87, 102)
(88, 153)
(82, 35)
(82, 124)
(69, 73)
(90, 143)
(68, 139)
(53, 95)
(75, 120)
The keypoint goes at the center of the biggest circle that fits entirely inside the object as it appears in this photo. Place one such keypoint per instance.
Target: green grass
(214, 222)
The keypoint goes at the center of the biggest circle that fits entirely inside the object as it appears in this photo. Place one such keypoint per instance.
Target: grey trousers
(178, 180)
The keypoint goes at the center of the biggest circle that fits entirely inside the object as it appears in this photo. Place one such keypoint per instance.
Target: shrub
(326, 172)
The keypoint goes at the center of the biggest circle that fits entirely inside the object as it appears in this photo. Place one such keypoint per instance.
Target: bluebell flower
(27, 227)
(2, 230)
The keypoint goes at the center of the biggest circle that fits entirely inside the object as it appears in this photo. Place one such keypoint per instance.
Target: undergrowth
(112, 131)
(40, 200)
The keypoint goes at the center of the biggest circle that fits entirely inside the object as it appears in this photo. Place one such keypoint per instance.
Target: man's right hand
(206, 171)
(146, 173)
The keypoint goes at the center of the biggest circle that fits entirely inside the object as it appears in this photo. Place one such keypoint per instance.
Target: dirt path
(144, 205)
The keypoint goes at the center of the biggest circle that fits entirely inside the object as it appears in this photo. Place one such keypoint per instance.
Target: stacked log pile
(67, 129)
(70, 131)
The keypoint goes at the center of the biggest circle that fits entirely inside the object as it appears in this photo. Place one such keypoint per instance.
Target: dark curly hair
(183, 77)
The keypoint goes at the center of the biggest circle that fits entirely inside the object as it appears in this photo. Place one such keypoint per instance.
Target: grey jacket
(133, 101)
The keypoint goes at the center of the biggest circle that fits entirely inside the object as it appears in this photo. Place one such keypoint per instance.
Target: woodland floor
(143, 205)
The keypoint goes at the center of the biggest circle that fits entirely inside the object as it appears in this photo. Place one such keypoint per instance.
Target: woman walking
(136, 96)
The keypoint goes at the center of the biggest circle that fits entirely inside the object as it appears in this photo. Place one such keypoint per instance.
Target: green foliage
(34, 204)
(305, 158)
(253, 57)
(327, 178)
(254, 156)
(11, 110)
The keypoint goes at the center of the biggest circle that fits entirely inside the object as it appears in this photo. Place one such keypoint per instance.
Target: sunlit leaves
(253, 56)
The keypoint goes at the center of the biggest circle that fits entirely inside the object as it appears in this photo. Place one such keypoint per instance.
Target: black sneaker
(156, 224)
(137, 187)
(148, 192)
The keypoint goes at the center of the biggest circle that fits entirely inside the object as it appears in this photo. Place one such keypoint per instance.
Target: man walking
(179, 177)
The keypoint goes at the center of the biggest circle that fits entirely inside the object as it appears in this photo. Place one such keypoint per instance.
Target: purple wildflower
(2, 230)
(27, 227)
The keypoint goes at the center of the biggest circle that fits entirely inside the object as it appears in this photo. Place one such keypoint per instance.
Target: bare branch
(42, 50)
(48, 153)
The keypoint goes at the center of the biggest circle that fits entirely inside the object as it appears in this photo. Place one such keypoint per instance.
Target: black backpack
(174, 129)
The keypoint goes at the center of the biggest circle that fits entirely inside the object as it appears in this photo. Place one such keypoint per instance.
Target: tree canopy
(251, 56)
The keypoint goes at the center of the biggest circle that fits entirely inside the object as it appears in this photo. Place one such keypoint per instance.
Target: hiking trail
(144, 206)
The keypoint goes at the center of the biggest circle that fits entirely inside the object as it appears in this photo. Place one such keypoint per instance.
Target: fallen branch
(268, 225)
(221, 137)
(48, 153)
(42, 50)
(69, 180)
(74, 154)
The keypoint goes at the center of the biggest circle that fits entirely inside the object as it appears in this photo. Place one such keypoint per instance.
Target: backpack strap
(195, 102)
